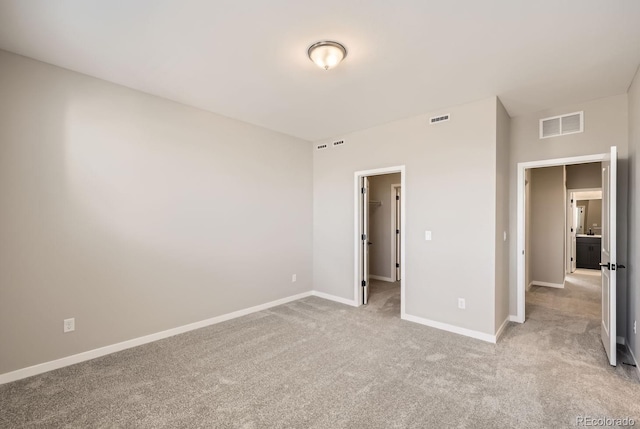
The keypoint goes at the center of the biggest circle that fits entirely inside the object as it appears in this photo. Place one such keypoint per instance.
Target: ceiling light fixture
(327, 54)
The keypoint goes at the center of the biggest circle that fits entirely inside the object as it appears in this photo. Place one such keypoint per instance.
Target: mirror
(589, 217)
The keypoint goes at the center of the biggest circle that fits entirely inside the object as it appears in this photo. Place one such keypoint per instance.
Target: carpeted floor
(319, 364)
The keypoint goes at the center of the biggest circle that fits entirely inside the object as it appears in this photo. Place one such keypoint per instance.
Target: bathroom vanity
(588, 249)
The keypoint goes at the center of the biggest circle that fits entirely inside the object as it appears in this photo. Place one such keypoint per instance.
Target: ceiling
(247, 59)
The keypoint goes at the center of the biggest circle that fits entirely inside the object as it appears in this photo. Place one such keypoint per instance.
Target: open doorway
(379, 242)
(607, 247)
(584, 227)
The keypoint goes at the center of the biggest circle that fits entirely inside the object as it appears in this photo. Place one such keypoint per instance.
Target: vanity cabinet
(588, 252)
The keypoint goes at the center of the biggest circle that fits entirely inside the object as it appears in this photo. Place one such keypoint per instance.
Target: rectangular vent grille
(554, 126)
(438, 119)
(322, 146)
(338, 143)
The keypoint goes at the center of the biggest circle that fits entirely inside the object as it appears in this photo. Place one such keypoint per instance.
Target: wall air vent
(322, 146)
(438, 119)
(338, 143)
(554, 126)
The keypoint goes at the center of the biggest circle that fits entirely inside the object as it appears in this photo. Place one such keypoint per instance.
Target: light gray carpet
(318, 364)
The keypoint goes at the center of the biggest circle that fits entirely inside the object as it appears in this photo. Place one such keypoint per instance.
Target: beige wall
(450, 169)
(633, 262)
(584, 176)
(135, 214)
(547, 225)
(606, 125)
(382, 252)
(503, 122)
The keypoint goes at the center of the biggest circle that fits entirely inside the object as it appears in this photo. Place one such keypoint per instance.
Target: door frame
(357, 288)
(569, 221)
(394, 221)
(520, 219)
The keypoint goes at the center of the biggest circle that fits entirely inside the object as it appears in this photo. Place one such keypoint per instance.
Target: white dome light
(327, 54)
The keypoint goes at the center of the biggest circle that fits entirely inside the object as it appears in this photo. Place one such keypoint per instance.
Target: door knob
(608, 265)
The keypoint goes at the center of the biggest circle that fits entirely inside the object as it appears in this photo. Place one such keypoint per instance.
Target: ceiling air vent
(562, 125)
(441, 118)
(321, 146)
(338, 143)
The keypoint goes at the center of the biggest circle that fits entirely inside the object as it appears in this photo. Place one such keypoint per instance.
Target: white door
(398, 274)
(364, 238)
(574, 227)
(608, 256)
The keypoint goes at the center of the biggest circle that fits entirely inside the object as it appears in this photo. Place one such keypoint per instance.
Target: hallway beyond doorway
(580, 296)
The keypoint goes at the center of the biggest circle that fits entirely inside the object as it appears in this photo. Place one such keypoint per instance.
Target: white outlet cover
(69, 325)
(294, 277)
(461, 303)
(427, 235)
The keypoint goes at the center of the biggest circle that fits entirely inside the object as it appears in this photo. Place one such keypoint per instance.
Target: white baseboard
(451, 328)
(620, 340)
(102, 351)
(341, 300)
(635, 361)
(514, 318)
(501, 328)
(547, 284)
(384, 279)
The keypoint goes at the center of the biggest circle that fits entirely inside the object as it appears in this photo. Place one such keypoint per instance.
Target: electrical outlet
(294, 278)
(69, 325)
(462, 303)
(634, 327)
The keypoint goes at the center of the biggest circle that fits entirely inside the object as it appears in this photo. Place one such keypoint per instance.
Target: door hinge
(364, 237)
(397, 197)
(572, 259)
(363, 190)
(397, 231)
(397, 265)
(613, 267)
(364, 283)
(571, 229)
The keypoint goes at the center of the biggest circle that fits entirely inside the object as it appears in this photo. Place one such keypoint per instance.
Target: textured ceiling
(247, 59)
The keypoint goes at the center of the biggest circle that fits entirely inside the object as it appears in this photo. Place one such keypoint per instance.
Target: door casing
(396, 272)
(520, 220)
(357, 242)
(570, 238)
